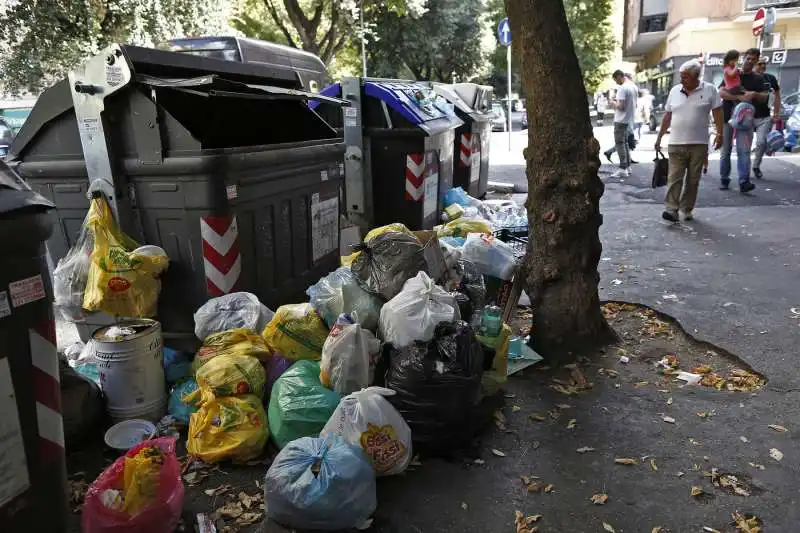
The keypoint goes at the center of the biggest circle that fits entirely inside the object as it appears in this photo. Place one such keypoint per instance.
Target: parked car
(6, 137)
(525, 120)
(499, 118)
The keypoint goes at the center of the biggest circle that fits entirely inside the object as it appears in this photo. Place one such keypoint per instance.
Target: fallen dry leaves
(740, 380)
(576, 383)
(599, 499)
(243, 511)
(524, 524)
(653, 465)
(696, 491)
(728, 482)
(537, 417)
(746, 523)
(77, 493)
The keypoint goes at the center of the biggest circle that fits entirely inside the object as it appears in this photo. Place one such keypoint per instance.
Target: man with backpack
(752, 92)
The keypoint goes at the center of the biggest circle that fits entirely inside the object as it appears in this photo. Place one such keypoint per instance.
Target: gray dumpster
(222, 164)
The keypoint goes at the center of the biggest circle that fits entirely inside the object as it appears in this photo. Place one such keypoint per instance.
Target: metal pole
(508, 94)
(363, 41)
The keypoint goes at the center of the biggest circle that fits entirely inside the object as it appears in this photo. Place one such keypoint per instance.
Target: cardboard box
(434, 258)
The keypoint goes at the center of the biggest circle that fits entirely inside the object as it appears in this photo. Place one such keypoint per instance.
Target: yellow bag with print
(498, 375)
(461, 227)
(239, 341)
(347, 260)
(142, 479)
(122, 278)
(297, 332)
(232, 427)
(229, 375)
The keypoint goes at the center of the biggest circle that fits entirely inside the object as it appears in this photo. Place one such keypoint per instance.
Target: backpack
(742, 116)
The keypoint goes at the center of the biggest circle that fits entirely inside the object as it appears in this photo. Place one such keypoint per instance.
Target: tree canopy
(41, 41)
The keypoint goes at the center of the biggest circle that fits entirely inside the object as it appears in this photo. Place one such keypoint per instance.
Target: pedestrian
(686, 117)
(764, 125)
(624, 105)
(731, 76)
(645, 109)
(751, 90)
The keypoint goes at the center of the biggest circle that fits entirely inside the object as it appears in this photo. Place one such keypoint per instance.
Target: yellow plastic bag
(239, 341)
(233, 427)
(229, 375)
(347, 260)
(296, 332)
(141, 479)
(121, 280)
(498, 375)
(461, 227)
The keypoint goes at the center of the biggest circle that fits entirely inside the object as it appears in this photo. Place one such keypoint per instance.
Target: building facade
(659, 35)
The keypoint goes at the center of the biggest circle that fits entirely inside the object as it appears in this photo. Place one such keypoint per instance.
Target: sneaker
(622, 173)
(725, 185)
(688, 217)
(670, 216)
(746, 186)
(607, 153)
(634, 162)
(757, 173)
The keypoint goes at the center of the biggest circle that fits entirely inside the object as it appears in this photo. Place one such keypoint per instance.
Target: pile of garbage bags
(497, 214)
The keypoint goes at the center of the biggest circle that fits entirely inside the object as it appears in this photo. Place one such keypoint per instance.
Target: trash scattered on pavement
(776, 454)
(697, 491)
(747, 523)
(608, 527)
(584, 449)
(779, 429)
(599, 499)
(626, 461)
(524, 524)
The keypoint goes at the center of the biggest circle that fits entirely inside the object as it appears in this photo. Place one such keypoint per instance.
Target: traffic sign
(504, 32)
(769, 20)
(759, 20)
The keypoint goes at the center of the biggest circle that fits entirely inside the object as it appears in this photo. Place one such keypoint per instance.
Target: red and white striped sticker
(415, 177)
(47, 390)
(222, 261)
(466, 150)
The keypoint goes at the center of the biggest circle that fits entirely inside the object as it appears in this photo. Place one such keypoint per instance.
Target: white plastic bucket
(132, 370)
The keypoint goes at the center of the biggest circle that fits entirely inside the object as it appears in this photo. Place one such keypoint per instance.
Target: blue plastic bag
(176, 365)
(320, 483)
(456, 195)
(178, 408)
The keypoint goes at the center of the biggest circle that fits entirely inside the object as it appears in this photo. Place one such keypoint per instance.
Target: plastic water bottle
(514, 348)
(492, 320)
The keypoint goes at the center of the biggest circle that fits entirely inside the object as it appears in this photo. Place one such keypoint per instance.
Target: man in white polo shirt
(688, 107)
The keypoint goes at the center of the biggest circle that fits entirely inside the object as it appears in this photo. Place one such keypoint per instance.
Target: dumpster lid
(449, 93)
(15, 195)
(478, 97)
(417, 102)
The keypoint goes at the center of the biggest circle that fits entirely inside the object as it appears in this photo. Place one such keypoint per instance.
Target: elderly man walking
(687, 110)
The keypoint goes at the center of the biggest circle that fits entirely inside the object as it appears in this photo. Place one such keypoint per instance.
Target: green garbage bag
(300, 405)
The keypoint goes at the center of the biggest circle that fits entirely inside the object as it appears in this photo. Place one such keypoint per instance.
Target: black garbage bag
(464, 305)
(472, 285)
(437, 387)
(81, 405)
(387, 261)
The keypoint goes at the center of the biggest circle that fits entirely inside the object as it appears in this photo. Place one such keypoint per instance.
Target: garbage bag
(238, 341)
(387, 261)
(339, 292)
(160, 511)
(274, 367)
(491, 256)
(300, 405)
(348, 356)
(320, 484)
(413, 314)
(457, 195)
(497, 376)
(366, 419)
(231, 427)
(71, 274)
(229, 375)
(180, 407)
(81, 404)
(177, 366)
(231, 311)
(462, 227)
(296, 332)
(122, 280)
(471, 284)
(437, 387)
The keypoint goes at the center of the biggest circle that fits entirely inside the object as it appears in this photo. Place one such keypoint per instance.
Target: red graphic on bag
(117, 284)
(382, 445)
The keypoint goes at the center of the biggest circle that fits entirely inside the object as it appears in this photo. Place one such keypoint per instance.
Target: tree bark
(564, 189)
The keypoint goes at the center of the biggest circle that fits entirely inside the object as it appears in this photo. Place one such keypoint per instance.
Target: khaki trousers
(685, 168)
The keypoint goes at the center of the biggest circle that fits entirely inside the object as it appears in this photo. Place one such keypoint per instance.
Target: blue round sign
(504, 32)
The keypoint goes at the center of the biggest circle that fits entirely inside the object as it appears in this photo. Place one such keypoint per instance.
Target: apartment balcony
(645, 26)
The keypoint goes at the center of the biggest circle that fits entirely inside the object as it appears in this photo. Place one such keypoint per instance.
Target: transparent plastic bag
(491, 256)
(365, 418)
(231, 311)
(71, 274)
(413, 314)
(321, 484)
(160, 515)
(348, 356)
(340, 292)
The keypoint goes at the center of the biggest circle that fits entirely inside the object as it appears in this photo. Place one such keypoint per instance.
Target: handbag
(660, 170)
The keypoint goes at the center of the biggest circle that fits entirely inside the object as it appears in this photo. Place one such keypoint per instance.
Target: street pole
(363, 41)
(508, 94)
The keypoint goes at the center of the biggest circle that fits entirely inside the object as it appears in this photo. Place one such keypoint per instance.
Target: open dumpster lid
(449, 93)
(478, 97)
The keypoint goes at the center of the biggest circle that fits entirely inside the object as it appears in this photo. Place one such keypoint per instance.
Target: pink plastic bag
(160, 517)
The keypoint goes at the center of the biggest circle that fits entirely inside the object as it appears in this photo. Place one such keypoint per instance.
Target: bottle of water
(492, 320)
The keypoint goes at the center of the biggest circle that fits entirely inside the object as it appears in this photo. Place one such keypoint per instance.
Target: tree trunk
(564, 189)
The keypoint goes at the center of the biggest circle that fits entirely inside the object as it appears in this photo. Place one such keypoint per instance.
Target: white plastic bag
(367, 419)
(339, 292)
(491, 256)
(348, 356)
(231, 311)
(413, 314)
